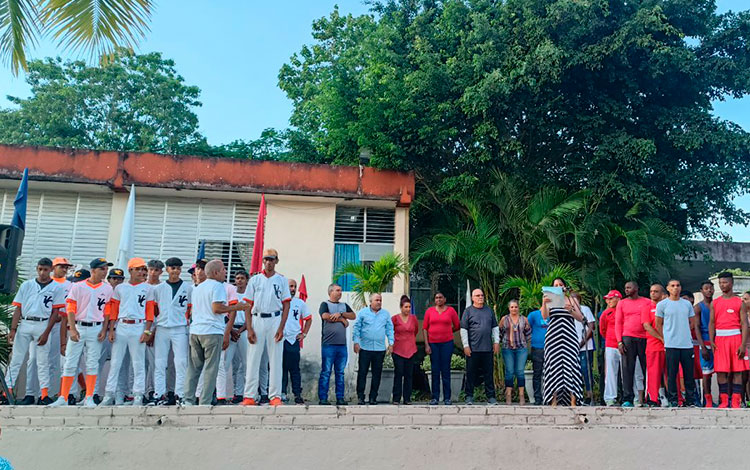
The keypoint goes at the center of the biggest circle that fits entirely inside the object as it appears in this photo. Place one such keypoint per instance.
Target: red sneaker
(275, 401)
(723, 400)
(736, 400)
(248, 402)
(709, 401)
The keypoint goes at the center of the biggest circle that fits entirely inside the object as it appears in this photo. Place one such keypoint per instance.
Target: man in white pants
(174, 301)
(87, 327)
(268, 295)
(238, 334)
(155, 270)
(239, 363)
(133, 313)
(38, 304)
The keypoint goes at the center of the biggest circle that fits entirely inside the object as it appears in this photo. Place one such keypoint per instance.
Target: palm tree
(529, 290)
(95, 26)
(374, 278)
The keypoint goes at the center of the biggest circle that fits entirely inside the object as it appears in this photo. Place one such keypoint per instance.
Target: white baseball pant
(175, 337)
(26, 341)
(128, 338)
(265, 329)
(87, 342)
(32, 380)
(238, 348)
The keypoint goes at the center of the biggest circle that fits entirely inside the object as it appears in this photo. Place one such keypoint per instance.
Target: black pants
(290, 368)
(537, 362)
(476, 362)
(402, 375)
(676, 358)
(367, 360)
(635, 348)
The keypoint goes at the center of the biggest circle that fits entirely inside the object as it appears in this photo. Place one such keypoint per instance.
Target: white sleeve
(20, 299)
(465, 337)
(496, 335)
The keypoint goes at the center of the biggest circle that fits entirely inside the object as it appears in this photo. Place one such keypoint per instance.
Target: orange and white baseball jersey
(89, 301)
(38, 301)
(64, 283)
(133, 302)
(174, 303)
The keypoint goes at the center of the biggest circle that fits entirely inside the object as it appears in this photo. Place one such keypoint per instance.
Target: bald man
(480, 335)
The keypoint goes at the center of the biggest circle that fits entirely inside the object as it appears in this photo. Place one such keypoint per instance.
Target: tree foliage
(373, 278)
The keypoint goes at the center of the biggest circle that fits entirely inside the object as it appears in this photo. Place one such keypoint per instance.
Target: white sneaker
(89, 402)
(59, 402)
(138, 400)
(108, 400)
(119, 399)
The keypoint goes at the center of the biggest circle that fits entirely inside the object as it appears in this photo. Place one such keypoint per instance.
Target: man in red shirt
(612, 357)
(728, 331)
(631, 338)
(655, 352)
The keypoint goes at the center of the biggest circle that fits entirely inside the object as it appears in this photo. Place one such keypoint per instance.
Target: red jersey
(648, 315)
(727, 313)
(607, 328)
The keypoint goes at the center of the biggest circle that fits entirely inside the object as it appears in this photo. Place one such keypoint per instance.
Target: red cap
(612, 294)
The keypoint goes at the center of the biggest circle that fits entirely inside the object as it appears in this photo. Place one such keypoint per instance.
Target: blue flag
(22, 196)
(202, 250)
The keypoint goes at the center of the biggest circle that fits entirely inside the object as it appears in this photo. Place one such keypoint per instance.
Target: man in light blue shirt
(372, 326)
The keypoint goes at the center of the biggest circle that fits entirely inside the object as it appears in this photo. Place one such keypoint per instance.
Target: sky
(233, 50)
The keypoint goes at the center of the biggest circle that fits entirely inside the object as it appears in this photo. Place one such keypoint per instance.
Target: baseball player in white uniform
(132, 312)
(295, 331)
(88, 312)
(268, 294)
(38, 304)
(174, 301)
(155, 270)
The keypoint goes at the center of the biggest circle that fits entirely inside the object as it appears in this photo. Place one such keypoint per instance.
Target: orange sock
(65, 384)
(90, 384)
(45, 392)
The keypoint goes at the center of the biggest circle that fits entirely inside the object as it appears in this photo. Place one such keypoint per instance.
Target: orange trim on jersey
(72, 306)
(60, 280)
(93, 285)
(150, 307)
(233, 302)
(286, 300)
(112, 310)
(17, 304)
(58, 306)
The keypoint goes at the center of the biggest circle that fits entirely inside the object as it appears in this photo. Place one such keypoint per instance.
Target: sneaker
(723, 400)
(249, 402)
(674, 404)
(469, 400)
(89, 402)
(324, 403)
(59, 402)
(736, 400)
(119, 399)
(45, 401)
(627, 404)
(341, 402)
(97, 398)
(108, 400)
(361, 402)
(407, 403)
(299, 401)
(237, 399)
(4, 400)
(173, 399)
(27, 400)
(220, 402)
(72, 399)
(492, 401)
(162, 401)
(373, 402)
(137, 400)
(186, 403)
(433, 402)
(275, 401)
(284, 398)
(608, 403)
(264, 399)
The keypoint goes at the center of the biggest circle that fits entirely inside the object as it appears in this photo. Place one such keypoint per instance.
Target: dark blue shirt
(538, 329)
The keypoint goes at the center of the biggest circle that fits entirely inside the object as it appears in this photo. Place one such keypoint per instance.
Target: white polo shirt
(298, 313)
(173, 305)
(268, 294)
(37, 301)
(205, 321)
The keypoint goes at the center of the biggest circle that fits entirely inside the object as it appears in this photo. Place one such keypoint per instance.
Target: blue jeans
(515, 363)
(587, 358)
(334, 357)
(440, 364)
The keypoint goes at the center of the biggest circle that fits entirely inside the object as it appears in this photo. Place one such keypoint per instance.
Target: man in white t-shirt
(209, 334)
(295, 330)
(268, 295)
(585, 335)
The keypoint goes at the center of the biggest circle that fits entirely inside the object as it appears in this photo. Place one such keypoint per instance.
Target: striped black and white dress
(562, 367)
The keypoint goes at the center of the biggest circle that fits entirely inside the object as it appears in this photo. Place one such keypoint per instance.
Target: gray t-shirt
(479, 322)
(676, 315)
(334, 333)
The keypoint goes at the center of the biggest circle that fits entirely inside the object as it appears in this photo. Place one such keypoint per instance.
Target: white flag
(125, 250)
(468, 294)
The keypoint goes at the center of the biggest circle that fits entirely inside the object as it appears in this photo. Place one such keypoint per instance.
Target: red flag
(256, 264)
(302, 289)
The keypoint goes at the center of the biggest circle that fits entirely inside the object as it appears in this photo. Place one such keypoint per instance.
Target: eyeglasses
(269, 258)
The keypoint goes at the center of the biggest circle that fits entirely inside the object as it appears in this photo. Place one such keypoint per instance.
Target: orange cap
(61, 260)
(136, 263)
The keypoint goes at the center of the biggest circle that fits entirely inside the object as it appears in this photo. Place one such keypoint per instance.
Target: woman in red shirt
(439, 324)
(405, 328)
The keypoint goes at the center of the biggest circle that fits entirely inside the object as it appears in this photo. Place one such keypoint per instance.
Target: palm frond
(19, 29)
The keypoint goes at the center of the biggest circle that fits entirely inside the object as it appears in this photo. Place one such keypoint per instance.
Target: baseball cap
(136, 263)
(155, 264)
(172, 262)
(201, 263)
(61, 261)
(81, 275)
(99, 263)
(613, 293)
(116, 273)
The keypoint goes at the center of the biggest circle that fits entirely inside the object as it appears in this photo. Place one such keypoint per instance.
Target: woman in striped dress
(563, 384)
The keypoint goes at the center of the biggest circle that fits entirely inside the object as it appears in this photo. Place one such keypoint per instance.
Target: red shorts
(725, 356)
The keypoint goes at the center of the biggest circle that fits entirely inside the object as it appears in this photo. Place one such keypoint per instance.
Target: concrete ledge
(314, 416)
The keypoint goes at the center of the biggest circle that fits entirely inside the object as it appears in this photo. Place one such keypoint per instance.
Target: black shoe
(407, 403)
(237, 399)
(172, 399)
(45, 401)
(4, 400)
(264, 399)
(27, 400)
(361, 401)
(72, 400)
(341, 402)
(433, 402)
(97, 398)
(373, 401)
(447, 402)
(162, 401)
(324, 403)
(220, 402)
(298, 400)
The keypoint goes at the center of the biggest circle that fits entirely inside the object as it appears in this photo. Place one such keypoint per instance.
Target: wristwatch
(148, 332)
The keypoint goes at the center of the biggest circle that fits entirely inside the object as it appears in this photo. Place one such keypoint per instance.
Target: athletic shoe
(324, 403)
(492, 401)
(237, 399)
(59, 402)
(45, 401)
(469, 400)
(173, 399)
(150, 401)
(341, 402)
(361, 402)
(275, 401)
(162, 401)
(608, 403)
(407, 403)
(736, 400)
(137, 400)
(674, 404)
(4, 400)
(433, 402)
(299, 401)
(447, 402)
(249, 402)
(221, 402)
(108, 400)
(97, 398)
(119, 399)
(652, 404)
(27, 400)
(72, 400)
(723, 400)
(284, 398)
(627, 404)
(186, 403)
(373, 402)
(264, 399)
(89, 402)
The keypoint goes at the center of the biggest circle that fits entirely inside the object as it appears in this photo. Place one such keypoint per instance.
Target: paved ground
(381, 437)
